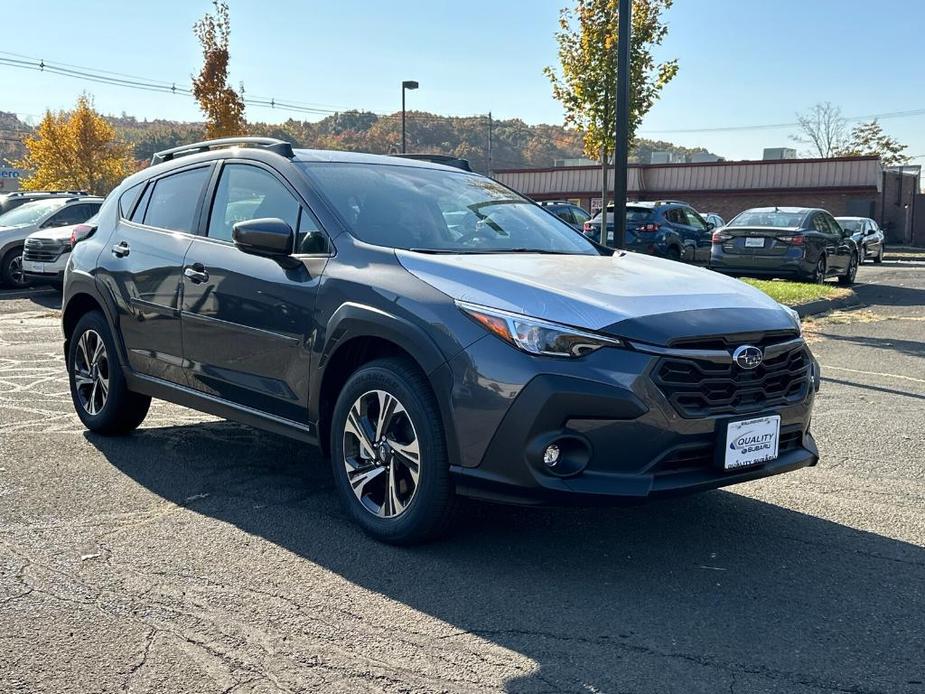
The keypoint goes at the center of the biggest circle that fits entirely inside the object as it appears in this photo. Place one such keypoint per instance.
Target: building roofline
(547, 169)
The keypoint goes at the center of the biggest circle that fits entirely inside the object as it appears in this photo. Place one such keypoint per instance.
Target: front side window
(439, 211)
(247, 192)
(175, 199)
(580, 215)
(694, 219)
(565, 214)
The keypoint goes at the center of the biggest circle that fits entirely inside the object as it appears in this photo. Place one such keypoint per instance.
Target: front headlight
(534, 335)
(795, 316)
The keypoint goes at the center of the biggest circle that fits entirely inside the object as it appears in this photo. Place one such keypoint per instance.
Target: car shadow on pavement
(47, 297)
(889, 295)
(694, 594)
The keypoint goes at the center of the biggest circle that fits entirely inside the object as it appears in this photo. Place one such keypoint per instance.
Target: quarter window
(128, 199)
(175, 199)
(246, 192)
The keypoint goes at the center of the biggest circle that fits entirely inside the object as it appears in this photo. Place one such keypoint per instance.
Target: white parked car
(46, 251)
(17, 224)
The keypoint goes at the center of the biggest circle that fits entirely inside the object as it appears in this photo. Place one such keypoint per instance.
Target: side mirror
(268, 237)
(710, 226)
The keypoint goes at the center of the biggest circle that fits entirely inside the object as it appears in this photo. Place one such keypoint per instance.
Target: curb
(814, 308)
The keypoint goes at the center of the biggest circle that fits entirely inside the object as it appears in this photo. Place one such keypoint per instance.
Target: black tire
(11, 274)
(674, 253)
(118, 410)
(817, 276)
(430, 504)
(848, 278)
(879, 257)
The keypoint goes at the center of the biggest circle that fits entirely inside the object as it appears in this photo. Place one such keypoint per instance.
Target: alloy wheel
(819, 274)
(381, 454)
(91, 372)
(15, 271)
(852, 268)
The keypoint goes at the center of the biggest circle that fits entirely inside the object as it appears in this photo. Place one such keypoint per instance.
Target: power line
(779, 126)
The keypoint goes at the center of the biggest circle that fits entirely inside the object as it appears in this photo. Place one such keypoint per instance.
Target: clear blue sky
(743, 62)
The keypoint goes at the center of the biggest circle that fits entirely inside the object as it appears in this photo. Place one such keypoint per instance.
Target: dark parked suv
(325, 296)
(667, 228)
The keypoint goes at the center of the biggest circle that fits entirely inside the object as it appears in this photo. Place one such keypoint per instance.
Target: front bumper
(629, 441)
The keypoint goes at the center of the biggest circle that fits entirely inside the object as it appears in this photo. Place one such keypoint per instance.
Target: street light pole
(621, 130)
(407, 84)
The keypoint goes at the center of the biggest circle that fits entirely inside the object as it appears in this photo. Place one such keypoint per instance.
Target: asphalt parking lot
(198, 555)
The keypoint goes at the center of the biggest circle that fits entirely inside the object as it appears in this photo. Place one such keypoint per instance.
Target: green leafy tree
(222, 106)
(586, 81)
(869, 139)
(75, 150)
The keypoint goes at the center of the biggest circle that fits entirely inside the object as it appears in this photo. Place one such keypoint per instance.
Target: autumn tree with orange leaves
(222, 106)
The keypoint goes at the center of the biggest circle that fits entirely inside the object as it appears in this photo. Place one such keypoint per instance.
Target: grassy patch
(795, 293)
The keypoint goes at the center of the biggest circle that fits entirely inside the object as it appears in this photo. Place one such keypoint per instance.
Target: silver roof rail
(268, 143)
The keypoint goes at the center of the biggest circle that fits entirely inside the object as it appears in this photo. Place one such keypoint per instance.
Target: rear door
(247, 320)
(142, 266)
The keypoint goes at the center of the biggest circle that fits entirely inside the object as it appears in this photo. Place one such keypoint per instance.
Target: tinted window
(174, 199)
(580, 215)
(768, 218)
(437, 210)
(74, 214)
(128, 199)
(633, 214)
(246, 192)
(311, 239)
(676, 216)
(694, 219)
(565, 214)
(851, 225)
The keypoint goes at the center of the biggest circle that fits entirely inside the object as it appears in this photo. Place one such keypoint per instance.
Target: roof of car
(785, 210)
(332, 156)
(853, 219)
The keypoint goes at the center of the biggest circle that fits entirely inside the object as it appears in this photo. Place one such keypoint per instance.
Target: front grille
(42, 250)
(703, 457)
(698, 388)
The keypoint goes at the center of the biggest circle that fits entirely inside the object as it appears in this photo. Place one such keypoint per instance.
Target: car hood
(627, 295)
(54, 233)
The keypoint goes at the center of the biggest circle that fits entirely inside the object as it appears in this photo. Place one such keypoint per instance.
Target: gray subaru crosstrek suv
(433, 331)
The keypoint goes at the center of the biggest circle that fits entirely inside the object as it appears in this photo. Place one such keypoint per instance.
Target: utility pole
(604, 187)
(489, 143)
(621, 138)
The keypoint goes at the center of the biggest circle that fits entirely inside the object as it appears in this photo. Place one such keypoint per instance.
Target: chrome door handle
(121, 249)
(196, 275)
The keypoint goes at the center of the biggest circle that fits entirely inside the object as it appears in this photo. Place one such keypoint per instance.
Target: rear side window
(128, 199)
(73, 214)
(174, 200)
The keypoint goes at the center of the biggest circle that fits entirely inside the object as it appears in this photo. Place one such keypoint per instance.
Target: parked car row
(798, 243)
(37, 231)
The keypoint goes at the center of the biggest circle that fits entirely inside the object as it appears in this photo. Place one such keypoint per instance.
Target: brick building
(852, 186)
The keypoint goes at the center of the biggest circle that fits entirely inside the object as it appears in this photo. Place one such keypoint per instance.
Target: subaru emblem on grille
(748, 357)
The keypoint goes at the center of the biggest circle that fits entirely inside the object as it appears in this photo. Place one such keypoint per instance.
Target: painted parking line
(871, 373)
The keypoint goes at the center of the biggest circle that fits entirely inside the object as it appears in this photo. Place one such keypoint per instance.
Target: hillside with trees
(514, 143)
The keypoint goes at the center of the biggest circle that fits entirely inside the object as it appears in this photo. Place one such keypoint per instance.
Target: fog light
(551, 455)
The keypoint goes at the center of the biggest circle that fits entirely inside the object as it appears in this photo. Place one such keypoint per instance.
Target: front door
(142, 267)
(247, 320)
(700, 237)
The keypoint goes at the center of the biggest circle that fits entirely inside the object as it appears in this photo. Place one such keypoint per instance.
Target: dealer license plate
(751, 441)
(754, 242)
(31, 266)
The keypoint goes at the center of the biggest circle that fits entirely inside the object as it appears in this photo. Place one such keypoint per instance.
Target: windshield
(768, 218)
(30, 213)
(851, 225)
(440, 211)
